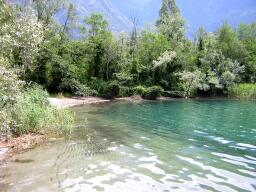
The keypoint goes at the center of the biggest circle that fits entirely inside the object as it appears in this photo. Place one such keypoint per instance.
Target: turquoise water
(179, 145)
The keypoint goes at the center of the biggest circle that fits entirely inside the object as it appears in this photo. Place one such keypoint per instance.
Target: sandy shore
(75, 101)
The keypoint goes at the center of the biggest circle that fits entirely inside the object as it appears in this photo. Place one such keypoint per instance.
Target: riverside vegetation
(87, 59)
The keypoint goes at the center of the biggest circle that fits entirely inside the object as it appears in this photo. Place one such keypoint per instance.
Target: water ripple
(183, 145)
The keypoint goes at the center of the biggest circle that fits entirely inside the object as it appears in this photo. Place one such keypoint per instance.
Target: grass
(32, 113)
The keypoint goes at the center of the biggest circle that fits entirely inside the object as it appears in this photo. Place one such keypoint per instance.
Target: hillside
(198, 13)
(212, 13)
(117, 20)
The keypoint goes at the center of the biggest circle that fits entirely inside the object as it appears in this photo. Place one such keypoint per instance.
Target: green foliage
(29, 111)
(99, 39)
(192, 81)
(166, 58)
(150, 93)
(20, 37)
(42, 50)
(74, 87)
(125, 91)
(171, 22)
(34, 114)
(98, 85)
(112, 89)
(243, 91)
(10, 86)
(98, 25)
(106, 89)
(139, 90)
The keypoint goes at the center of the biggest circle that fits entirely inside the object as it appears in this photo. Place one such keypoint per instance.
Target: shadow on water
(23, 161)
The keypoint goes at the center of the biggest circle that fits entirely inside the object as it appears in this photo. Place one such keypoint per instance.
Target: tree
(150, 46)
(70, 20)
(247, 36)
(97, 36)
(166, 58)
(133, 41)
(47, 9)
(200, 40)
(20, 39)
(171, 22)
(229, 43)
(191, 81)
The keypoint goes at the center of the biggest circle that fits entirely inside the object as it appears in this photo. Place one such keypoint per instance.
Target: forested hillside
(145, 62)
(198, 13)
(118, 22)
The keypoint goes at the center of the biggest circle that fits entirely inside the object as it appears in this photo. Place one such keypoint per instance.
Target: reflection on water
(146, 146)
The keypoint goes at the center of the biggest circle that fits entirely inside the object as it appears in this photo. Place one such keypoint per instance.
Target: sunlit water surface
(181, 145)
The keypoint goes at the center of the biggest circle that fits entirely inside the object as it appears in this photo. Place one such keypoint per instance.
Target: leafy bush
(243, 91)
(125, 91)
(148, 92)
(139, 90)
(10, 86)
(99, 86)
(105, 89)
(76, 88)
(30, 112)
(35, 114)
(112, 89)
(152, 92)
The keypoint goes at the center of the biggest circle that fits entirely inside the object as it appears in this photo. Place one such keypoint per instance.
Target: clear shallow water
(185, 145)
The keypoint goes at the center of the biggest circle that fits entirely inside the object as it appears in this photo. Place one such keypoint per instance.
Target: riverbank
(18, 145)
(26, 142)
(75, 101)
(11, 146)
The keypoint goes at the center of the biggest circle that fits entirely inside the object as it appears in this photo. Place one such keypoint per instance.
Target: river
(177, 145)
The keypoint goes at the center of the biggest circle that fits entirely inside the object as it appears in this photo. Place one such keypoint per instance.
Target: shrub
(139, 90)
(10, 86)
(112, 89)
(99, 86)
(152, 92)
(125, 91)
(243, 91)
(35, 114)
(149, 92)
(105, 89)
(76, 88)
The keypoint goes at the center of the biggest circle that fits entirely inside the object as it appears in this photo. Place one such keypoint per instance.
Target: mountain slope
(117, 21)
(212, 13)
(198, 13)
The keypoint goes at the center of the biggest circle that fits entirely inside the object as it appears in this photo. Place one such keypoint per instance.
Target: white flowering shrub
(10, 86)
(24, 110)
(191, 81)
(20, 38)
(165, 58)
